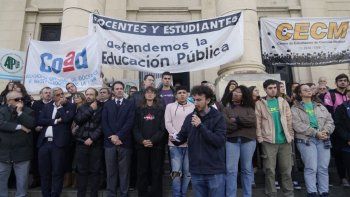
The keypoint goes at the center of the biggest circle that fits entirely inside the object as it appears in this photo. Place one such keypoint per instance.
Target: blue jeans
(316, 160)
(180, 170)
(212, 185)
(21, 171)
(234, 153)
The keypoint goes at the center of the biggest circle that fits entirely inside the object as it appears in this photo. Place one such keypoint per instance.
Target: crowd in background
(109, 139)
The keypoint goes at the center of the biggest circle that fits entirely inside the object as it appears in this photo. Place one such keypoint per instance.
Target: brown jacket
(301, 122)
(245, 124)
(265, 128)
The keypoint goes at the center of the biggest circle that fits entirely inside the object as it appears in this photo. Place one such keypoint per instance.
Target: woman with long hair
(231, 85)
(313, 125)
(9, 87)
(254, 91)
(241, 140)
(149, 132)
(79, 99)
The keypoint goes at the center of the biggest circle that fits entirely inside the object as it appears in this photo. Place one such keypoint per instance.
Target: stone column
(75, 20)
(251, 60)
(249, 70)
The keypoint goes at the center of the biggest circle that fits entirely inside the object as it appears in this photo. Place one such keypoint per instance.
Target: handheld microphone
(196, 112)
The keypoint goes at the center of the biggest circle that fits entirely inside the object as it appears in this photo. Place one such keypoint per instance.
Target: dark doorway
(51, 32)
(182, 78)
(285, 72)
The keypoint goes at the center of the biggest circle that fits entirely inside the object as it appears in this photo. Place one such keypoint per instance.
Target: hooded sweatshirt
(175, 115)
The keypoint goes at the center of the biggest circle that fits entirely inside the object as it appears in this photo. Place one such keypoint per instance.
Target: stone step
(335, 191)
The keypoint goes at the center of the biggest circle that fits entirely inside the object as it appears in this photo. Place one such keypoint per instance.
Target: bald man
(16, 144)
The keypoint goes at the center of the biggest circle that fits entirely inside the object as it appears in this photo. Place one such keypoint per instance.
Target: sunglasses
(18, 99)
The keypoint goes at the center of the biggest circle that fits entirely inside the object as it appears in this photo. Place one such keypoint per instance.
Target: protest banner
(54, 64)
(305, 41)
(174, 47)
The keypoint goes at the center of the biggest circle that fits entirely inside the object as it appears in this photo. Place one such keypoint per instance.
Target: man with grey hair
(322, 81)
(56, 119)
(16, 122)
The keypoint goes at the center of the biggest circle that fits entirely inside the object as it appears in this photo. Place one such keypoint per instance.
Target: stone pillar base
(241, 67)
(244, 79)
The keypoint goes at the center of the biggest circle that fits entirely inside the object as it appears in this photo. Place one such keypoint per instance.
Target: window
(51, 32)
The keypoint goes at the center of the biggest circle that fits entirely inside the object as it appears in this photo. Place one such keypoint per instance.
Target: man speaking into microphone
(205, 131)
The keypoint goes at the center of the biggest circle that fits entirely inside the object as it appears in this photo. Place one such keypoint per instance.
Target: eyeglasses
(18, 99)
(60, 94)
(306, 90)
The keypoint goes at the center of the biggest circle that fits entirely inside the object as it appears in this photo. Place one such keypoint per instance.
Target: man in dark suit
(56, 119)
(16, 122)
(117, 123)
(38, 106)
(68, 170)
(72, 90)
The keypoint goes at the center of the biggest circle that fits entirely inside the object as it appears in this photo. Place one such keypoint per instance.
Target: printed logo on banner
(305, 41)
(72, 61)
(55, 64)
(11, 63)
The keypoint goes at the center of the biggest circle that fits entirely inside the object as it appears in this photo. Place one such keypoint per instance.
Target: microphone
(196, 112)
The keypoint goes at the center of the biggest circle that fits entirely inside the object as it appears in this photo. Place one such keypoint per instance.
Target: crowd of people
(121, 138)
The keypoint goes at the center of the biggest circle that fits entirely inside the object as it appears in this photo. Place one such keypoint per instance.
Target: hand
(25, 129)
(326, 134)
(349, 143)
(233, 119)
(147, 143)
(19, 107)
(38, 128)
(63, 100)
(321, 136)
(172, 137)
(59, 120)
(115, 140)
(93, 105)
(196, 121)
(74, 129)
(88, 142)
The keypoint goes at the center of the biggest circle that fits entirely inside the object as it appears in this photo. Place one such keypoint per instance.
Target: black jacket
(149, 125)
(342, 125)
(89, 122)
(206, 143)
(15, 145)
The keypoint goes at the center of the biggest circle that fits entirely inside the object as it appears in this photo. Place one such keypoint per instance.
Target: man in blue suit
(117, 123)
(56, 119)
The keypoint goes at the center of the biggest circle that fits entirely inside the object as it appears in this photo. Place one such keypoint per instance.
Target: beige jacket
(301, 122)
(265, 127)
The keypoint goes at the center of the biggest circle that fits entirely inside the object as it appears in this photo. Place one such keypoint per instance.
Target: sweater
(245, 124)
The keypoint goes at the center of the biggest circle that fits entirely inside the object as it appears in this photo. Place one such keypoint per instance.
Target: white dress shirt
(49, 131)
